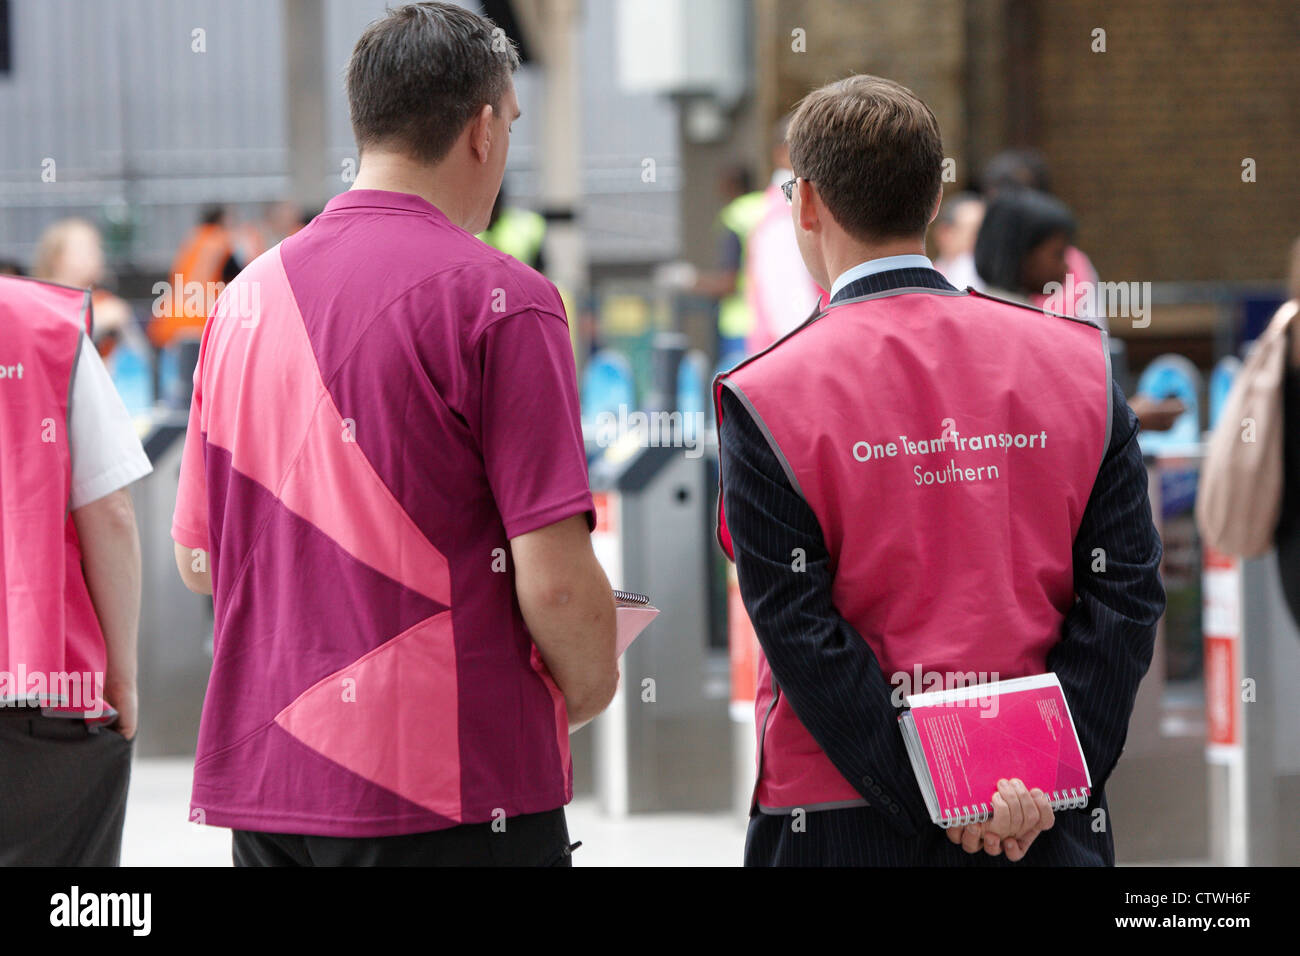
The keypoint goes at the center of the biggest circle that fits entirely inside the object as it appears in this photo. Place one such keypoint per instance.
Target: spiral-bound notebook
(962, 741)
(633, 612)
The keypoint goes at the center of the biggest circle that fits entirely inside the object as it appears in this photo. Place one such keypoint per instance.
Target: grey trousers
(62, 791)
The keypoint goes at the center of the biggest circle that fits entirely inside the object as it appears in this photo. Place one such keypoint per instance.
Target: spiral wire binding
(630, 597)
(1072, 799)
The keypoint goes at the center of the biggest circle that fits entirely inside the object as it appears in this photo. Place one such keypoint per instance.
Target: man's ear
(934, 210)
(808, 214)
(480, 132)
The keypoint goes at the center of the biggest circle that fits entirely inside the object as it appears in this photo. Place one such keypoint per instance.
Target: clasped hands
(1019, 815)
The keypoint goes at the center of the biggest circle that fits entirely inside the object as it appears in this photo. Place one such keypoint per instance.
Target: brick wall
(1145, 141)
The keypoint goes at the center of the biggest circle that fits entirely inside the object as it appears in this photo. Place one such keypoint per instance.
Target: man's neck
(391, 172)
(840, 260)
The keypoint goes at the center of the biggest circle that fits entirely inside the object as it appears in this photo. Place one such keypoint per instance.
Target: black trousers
(861, 836)
(62, 790)
(531, 839)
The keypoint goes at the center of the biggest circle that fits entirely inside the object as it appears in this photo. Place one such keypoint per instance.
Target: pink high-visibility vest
(948, 444)
(51, 645)
(778, 287)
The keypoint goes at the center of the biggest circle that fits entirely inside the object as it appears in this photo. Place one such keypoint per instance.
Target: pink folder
(632, 620)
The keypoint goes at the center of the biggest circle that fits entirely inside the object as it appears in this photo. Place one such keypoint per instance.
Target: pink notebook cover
(631, 622)
(1023, 730)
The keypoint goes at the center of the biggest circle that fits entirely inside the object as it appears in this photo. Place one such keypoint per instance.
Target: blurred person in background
(208, 257)
(741, 209)
(781, 293)
(1288, 529)
(70, 579)
(1027, 169)
(891, 575)
(279, 220)
(1022, 246)
(954, 233)
(409, 615)
(517, 232)
(70, 252)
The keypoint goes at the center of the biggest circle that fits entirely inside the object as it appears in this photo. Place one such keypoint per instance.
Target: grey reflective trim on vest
(1110, 397)
(88, 318)
(767, 433)
(812, 317)
(762, 739)
(1035, 308)
(67, 425)
(812, 807)
(892, 292)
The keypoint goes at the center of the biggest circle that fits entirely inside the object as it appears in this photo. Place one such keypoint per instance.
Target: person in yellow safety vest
(516, 232)
(520, 233)
(735, 223)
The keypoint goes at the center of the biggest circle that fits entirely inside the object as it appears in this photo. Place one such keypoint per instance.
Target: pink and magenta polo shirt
(382, 401)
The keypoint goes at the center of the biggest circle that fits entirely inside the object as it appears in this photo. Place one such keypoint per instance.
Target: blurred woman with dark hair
(1022, 242)
(1021, 248)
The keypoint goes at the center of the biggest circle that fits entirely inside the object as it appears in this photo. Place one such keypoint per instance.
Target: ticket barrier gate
(1253, 711)
(664, 743)
(175, 624)
(1211, 766)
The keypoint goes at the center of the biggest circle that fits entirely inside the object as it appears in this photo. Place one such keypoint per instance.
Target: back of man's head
(420, 74)
(873, 151)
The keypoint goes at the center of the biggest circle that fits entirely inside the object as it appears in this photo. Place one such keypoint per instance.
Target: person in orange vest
(70, 581)
(205, 262)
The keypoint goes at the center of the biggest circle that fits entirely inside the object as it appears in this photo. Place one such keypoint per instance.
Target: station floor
(157, 832)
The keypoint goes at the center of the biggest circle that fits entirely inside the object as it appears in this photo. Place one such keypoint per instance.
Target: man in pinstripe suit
(885, 574)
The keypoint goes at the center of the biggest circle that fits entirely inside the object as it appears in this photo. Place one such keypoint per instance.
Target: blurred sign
(1222, 629)
(682, 46)
(605, 539)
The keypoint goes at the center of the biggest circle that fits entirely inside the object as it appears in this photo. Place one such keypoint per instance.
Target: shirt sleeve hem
(108, 481)
(189, 538)
(517, 525)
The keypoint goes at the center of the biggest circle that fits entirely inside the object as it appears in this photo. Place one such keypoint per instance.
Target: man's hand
(971, 836)
(123, 699)
(1156, 415)
(1019, 815)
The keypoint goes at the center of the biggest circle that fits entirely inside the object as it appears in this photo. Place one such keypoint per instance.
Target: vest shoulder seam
(1034, 308)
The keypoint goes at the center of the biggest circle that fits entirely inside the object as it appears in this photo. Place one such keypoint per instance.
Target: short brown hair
(873, 151)
(417, 76)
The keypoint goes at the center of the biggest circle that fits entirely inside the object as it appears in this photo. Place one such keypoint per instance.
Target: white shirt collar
(873, 266)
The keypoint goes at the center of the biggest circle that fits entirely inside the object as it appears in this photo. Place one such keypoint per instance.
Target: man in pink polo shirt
(384, 487)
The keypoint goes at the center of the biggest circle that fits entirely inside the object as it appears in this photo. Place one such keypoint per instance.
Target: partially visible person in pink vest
(780, 291)
(915, 485)
(69, 584)
(384, 488)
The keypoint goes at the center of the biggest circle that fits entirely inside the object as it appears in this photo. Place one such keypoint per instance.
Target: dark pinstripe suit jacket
(1106, 644)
